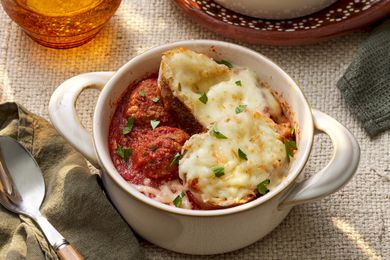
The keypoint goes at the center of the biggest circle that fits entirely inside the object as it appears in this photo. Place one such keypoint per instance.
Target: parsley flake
(203, 98)
(155, 99)
(262, 187)
(176, 159)
(124, 153)
(240, 109)
(292, 131)
(218, 171)
(129, 126)
(142, 93)
(217, 134)
(290, 146)
(179, 199)
(242, 155)
(154, 123)
(238, 83)
(226, 63)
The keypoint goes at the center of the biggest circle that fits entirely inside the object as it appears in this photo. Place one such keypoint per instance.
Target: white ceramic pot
(202, 231)
(276, 9)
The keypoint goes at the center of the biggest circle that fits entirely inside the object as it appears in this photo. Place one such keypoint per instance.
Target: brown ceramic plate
(341, 17)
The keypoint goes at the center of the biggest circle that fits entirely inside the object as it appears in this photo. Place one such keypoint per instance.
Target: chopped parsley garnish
(154, 123)
(292, 131)
(179, 199)
(242, 155)
(124, 153)
(203, 98)
(142, 93)
(218, 171)
(155, 99)
(238, 83)
(262, 187)
(290, 146)
(129, 126)
(217, 134)
(240, 109)
(176, 159)
(226, 63)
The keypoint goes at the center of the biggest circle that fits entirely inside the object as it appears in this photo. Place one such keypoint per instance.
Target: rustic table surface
(353, 223)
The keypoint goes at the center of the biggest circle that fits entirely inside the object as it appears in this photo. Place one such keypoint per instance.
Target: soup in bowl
(203, 134)
(203, 159)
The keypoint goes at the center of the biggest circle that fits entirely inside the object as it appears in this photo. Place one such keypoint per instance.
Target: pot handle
(63, 114)
(340, 169)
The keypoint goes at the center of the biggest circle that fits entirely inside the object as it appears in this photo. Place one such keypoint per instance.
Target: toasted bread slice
(184, 76)
(215, 172)
(238, 108)
(185, 119)
(203, 90)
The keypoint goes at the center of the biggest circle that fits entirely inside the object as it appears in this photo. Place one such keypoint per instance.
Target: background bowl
(276, 9)
(340, 18)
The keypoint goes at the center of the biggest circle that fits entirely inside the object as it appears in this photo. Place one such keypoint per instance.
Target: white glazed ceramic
(196, 231)
(275, 9)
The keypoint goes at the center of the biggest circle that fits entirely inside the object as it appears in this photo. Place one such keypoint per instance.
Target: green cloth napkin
(75, 203)
(366, 83)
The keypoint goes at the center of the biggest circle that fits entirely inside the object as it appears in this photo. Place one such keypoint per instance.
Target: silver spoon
(22, 190)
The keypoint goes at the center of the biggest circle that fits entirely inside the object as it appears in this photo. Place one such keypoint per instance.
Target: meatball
(155, 154)
(145, 104)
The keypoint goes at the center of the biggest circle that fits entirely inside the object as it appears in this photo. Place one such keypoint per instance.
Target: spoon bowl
(22, 190)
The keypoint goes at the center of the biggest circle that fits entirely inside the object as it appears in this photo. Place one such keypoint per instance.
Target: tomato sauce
(155, 147)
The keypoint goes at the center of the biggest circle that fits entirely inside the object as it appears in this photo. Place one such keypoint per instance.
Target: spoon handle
(68, 252)
(64, 250)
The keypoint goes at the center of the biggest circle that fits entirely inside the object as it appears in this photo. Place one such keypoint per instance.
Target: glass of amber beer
(61, 23)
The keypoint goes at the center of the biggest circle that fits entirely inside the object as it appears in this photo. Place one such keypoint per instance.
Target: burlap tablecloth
(354, 223)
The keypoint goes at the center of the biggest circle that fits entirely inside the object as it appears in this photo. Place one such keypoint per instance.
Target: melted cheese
(254, 134)
(189, 74)
(241, 89)
(166, 193)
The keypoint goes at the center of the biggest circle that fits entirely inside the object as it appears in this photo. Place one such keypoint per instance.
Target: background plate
(341, 17)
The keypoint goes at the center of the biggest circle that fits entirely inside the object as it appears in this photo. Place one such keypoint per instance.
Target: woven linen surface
(353, 223)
